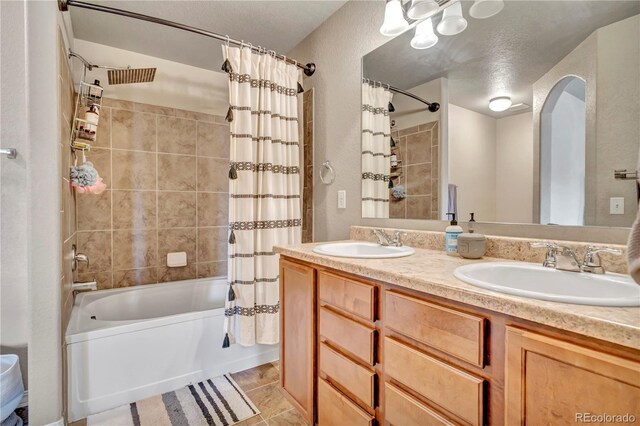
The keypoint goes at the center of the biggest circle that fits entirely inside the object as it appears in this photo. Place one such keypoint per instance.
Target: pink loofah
(98, 188)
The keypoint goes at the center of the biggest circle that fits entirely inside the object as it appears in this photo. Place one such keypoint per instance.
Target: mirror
(538, 117)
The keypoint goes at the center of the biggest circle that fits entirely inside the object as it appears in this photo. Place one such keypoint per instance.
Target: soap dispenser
(451, 235)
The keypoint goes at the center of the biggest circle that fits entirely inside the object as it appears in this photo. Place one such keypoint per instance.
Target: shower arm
(88, 65)
(63, 6)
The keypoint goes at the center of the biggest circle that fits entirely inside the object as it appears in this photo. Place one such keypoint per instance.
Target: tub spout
(89, 285)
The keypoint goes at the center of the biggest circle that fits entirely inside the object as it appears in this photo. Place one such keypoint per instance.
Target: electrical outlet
(342, 199)
(616, 205)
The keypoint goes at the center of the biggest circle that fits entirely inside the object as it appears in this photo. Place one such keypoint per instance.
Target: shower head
(131, 75)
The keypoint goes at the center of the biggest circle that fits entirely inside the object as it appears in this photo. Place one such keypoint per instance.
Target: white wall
(175, 85)
(514, 168)
(472, 162)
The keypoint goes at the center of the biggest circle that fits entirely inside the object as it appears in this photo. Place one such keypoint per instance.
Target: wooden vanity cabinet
(358, 352)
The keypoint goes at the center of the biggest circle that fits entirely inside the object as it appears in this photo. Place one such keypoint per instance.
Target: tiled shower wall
(418, 153)
(166, 172)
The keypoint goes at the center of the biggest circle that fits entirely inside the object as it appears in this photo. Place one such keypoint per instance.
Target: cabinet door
(550, 381)
(297, 335)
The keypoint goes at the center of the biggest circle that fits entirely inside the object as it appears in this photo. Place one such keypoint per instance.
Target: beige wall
(472, 162)
(514, 169)
(617, 117)
(337, 47)
(166, 172)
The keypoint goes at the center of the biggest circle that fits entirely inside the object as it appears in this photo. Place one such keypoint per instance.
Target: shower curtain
(376, 151)
(264, 190)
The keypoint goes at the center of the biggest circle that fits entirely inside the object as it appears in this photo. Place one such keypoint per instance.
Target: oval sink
(538, 282)
(363, 250)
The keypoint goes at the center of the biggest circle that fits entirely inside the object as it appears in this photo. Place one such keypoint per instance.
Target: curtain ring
(227, 42)
(241, 44)
(250, 46)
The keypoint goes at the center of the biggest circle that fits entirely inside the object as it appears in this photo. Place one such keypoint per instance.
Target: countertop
(431, 272)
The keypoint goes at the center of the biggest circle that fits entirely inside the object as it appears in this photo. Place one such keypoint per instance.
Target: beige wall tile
(213, 140)
(97, 246)
(418, 179)
(103, 279)
(176, 135)
(176, 274)
(213, 209)
(176, 209)
(176, 240)
(153, 109)
(418, 148)
(409, 130)
(134, 277)
(212, 244)
(134, 249)
(134, 170)
(213, 175)
(192, 115)
(101, 160)
(134, 209)
(177, 172)
(397, 208)
(418, 207)
(212, 269)
(103, 133)
(117, 103)
(133, 130)
(96, 211)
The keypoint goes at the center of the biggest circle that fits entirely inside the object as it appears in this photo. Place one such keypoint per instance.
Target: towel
(633, 245)
(452, 206)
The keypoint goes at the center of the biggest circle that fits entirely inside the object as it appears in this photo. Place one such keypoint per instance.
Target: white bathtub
(148, 340)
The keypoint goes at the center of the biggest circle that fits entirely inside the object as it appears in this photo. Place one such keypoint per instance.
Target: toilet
(11, 389)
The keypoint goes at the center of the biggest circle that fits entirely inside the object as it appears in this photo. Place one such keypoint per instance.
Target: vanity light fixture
(394, 22)
(424, 37)
(452, 22)
(421, 9)
(500, 103)
(482, 9)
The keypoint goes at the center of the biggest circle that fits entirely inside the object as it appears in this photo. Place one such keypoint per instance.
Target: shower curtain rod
(433, 106)
(63, 5)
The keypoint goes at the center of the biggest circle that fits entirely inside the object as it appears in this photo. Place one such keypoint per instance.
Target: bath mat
(218, 401)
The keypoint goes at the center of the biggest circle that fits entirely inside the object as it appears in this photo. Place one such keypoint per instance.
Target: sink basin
(538, 282)
(363, 250)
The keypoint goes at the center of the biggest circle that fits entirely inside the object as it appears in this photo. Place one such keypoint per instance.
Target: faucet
(385, 240)
(592, 263)
(89, 285)
(560, 257)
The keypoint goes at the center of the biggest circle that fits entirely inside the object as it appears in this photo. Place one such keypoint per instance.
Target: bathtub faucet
(89, 285)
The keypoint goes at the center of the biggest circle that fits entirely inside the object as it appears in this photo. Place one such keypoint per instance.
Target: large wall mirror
(531, 115)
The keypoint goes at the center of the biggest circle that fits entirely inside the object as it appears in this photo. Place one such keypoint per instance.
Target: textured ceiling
(502, 55)
(278, 25)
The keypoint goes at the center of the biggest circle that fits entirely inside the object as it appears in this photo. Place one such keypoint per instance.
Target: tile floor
(261, 384)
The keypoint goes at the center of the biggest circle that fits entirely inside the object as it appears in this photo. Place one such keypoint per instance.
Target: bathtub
(128, 344)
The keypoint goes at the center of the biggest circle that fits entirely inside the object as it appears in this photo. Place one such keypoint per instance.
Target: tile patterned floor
(261, 385)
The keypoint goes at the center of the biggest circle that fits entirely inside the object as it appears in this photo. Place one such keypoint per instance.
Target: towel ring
(327, 173)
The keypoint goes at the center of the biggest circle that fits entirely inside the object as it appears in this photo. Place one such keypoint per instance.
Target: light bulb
(394, 22)
(452, 20)
(499, 104)
(482, 9)
(424, 37)
(421, 9)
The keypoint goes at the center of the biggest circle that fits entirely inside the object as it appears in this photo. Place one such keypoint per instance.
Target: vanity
(403, 342)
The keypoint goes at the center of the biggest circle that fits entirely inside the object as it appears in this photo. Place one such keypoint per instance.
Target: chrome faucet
(385, 240)
(592, 262)
(559, 257)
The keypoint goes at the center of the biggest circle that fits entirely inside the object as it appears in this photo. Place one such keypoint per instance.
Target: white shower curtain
(376, 151)
(264, 197)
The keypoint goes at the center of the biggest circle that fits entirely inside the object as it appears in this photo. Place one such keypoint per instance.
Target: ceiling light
(394, 22)
(424, 37)
(452, 20)
(499, 104)
(421, 9)
(481, 9)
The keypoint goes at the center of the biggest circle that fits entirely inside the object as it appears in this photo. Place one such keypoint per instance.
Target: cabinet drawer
(456, 391)
(456, 333)
(336, 409)
(401, 409)
(354, 337)
(357, 380)
(351, 296)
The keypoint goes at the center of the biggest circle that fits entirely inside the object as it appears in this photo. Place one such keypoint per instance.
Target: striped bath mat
(218, 401)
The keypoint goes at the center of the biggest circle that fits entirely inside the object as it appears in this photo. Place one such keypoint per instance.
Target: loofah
(399, 192)
(84, 175)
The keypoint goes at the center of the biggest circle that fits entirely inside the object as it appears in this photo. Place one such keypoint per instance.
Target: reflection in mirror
(536, 117)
